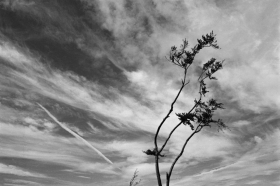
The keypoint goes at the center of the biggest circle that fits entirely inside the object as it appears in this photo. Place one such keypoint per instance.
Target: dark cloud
(65, 35)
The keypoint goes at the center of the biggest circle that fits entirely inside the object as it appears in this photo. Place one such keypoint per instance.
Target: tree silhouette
(201, 114)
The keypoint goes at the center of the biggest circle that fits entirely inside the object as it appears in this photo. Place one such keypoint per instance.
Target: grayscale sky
(99, 67)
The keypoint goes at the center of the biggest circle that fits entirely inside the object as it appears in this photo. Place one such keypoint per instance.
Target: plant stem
(159, 127)
(169, 137)
(157, 170)
(168, 175)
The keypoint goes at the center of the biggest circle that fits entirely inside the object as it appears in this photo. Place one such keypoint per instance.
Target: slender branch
(157, 170)
(171, 107)
(177, 158)
(159, 127)
(169, 137)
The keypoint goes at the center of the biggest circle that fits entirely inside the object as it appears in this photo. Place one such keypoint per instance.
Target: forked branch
(168, 175)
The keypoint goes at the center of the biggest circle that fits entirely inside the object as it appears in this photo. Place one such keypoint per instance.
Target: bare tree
(201, 114)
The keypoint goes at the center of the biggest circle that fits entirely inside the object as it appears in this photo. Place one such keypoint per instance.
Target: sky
(99, 68)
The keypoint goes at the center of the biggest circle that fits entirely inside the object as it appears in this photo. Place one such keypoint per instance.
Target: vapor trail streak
(75, 135)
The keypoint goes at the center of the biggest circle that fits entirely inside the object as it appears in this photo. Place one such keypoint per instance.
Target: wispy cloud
(30, 143)
(18, 182)
(257, 162)
(14, 170)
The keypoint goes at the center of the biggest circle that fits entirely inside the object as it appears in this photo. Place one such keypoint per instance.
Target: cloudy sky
(99, 67)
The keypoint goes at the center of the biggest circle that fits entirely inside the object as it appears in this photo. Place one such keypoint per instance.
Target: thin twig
(132, 181)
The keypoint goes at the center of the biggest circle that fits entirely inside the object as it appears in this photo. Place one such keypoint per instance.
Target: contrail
(76, 135)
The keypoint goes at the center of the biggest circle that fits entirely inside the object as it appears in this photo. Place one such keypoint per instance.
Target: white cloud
(253, 182)
(86, 96)
(246, 46)
(202, 146)
(93, 128)
(240, 123)
(19, 182)
(17, 4)
(131, 150)
(258, 139)
(24, 142)
(263, 160)
(30, 121)
(10, 169)
(97, 168)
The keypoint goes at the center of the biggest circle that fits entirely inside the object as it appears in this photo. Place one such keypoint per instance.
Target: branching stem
(164, 119)
(168, 175)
